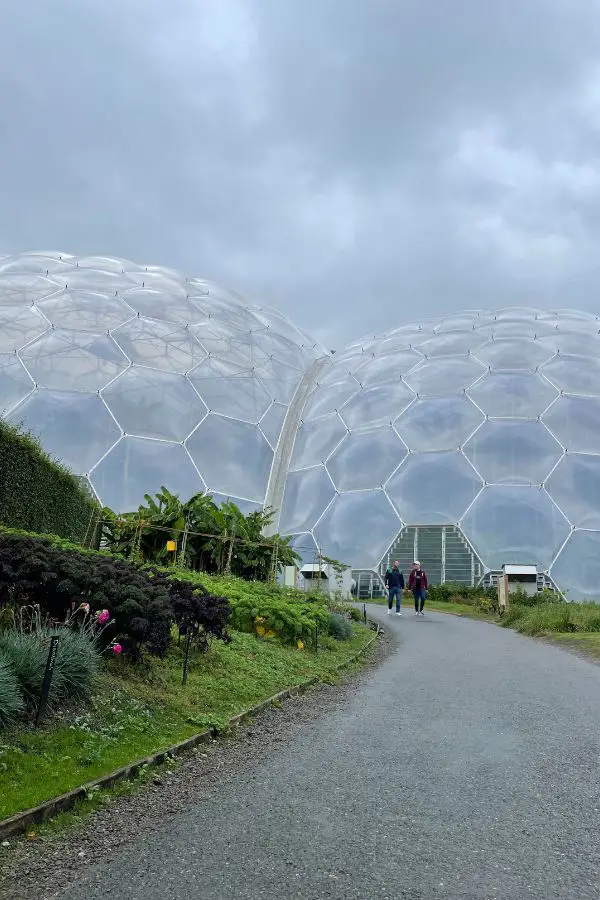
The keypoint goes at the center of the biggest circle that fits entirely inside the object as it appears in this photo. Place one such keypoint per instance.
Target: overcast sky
(356, 163)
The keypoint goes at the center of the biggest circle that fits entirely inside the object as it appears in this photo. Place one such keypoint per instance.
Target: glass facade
(136, 376)
(484, 424)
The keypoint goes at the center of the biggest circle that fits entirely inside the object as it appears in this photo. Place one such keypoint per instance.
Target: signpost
(186, 660)
(502, 593)
(50, 664)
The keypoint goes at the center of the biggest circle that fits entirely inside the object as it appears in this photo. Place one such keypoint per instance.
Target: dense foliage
(208, 537)
(58, 577)
(37, 494)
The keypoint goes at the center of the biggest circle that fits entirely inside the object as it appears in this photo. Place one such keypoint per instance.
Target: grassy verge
(135, 712)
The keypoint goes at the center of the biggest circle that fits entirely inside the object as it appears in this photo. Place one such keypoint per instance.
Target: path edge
(20, 822)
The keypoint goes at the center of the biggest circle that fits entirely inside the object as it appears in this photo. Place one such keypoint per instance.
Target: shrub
(59, 577)
(546, 618)
(38, 494)
(77, 664)
(11, 699)
(27, 656)
(194, 607)
(339, 627)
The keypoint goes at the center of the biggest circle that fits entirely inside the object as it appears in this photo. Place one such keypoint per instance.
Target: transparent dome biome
(471, 439)
(137, 376)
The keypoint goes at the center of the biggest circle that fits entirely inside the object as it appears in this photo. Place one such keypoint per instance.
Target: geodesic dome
(136, 376)
(486, 421)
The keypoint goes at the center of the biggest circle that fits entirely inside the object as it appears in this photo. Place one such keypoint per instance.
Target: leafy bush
(545, 619)
(194, 608)
(11, 699)
(38, 494)
(339, 627)
(265, 608)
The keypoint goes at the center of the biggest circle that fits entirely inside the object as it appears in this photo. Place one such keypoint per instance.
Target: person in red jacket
(417, 583)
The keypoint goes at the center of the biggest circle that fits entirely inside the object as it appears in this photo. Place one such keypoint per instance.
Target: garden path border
(19, 822)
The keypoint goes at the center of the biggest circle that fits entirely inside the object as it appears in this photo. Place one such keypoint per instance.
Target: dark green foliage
(59, 578)
(194, 608)
(339, 627)
(37, 494)
(145, 603)
(454, 592)
(219, 540)
(11, 700)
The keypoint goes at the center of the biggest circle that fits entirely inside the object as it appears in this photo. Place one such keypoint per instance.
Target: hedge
(39, 495)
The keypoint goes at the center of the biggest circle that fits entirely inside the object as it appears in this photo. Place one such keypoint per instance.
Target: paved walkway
(465, 766)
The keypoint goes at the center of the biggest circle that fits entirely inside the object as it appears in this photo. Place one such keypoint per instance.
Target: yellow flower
(300, 645)
(260, 630)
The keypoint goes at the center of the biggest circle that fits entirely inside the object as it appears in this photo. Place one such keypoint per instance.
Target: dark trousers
(397, 593)
(420, 595)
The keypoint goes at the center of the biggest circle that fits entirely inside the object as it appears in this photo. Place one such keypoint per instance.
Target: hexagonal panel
(73, 427)
(452, 343)
(516, 526)
(365, 459)
(433, 488)
(513, 394)
(233, 457)
(440, 423)
(330, 398)
(316, 440)
(19, 325)
(138, 466)
(376, 406)
(280, 380)
(307, 495)
(575, 422)
(272, 422)
(165, 307)
(575, 487)
(574, 374)
(576, 570)
(388, 368)
(304, 544)
(358, 528)
(580, 342)
(226, 391)
(73, 360)
(24, 290)
(520, 329)
(159, 345)
(513, 452)
(86, 311)
(15, 383)
(245, 506)
(449, 375)
(149, 403)
(505, 353)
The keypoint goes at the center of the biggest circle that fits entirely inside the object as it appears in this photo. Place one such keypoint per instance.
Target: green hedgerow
(11, 698)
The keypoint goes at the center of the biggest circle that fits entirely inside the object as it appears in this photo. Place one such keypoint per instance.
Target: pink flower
(85, 607)
(103, 616)
(116, 649)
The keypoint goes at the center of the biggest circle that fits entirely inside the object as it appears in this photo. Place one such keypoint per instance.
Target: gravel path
(465, 765)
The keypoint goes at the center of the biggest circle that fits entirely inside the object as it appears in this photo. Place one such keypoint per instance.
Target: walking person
(417, 583)
(394, 580)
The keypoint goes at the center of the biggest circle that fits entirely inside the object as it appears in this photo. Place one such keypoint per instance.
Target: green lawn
(146, 710)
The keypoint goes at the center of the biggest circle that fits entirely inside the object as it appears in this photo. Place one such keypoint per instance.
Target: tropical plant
(210, 538)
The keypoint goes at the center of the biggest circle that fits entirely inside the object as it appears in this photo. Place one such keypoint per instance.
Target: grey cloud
(355, 164)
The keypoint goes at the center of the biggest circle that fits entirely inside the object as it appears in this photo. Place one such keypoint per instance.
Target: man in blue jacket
(394, 580)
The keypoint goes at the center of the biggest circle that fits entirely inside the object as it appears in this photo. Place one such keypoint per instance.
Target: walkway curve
(465, 766)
